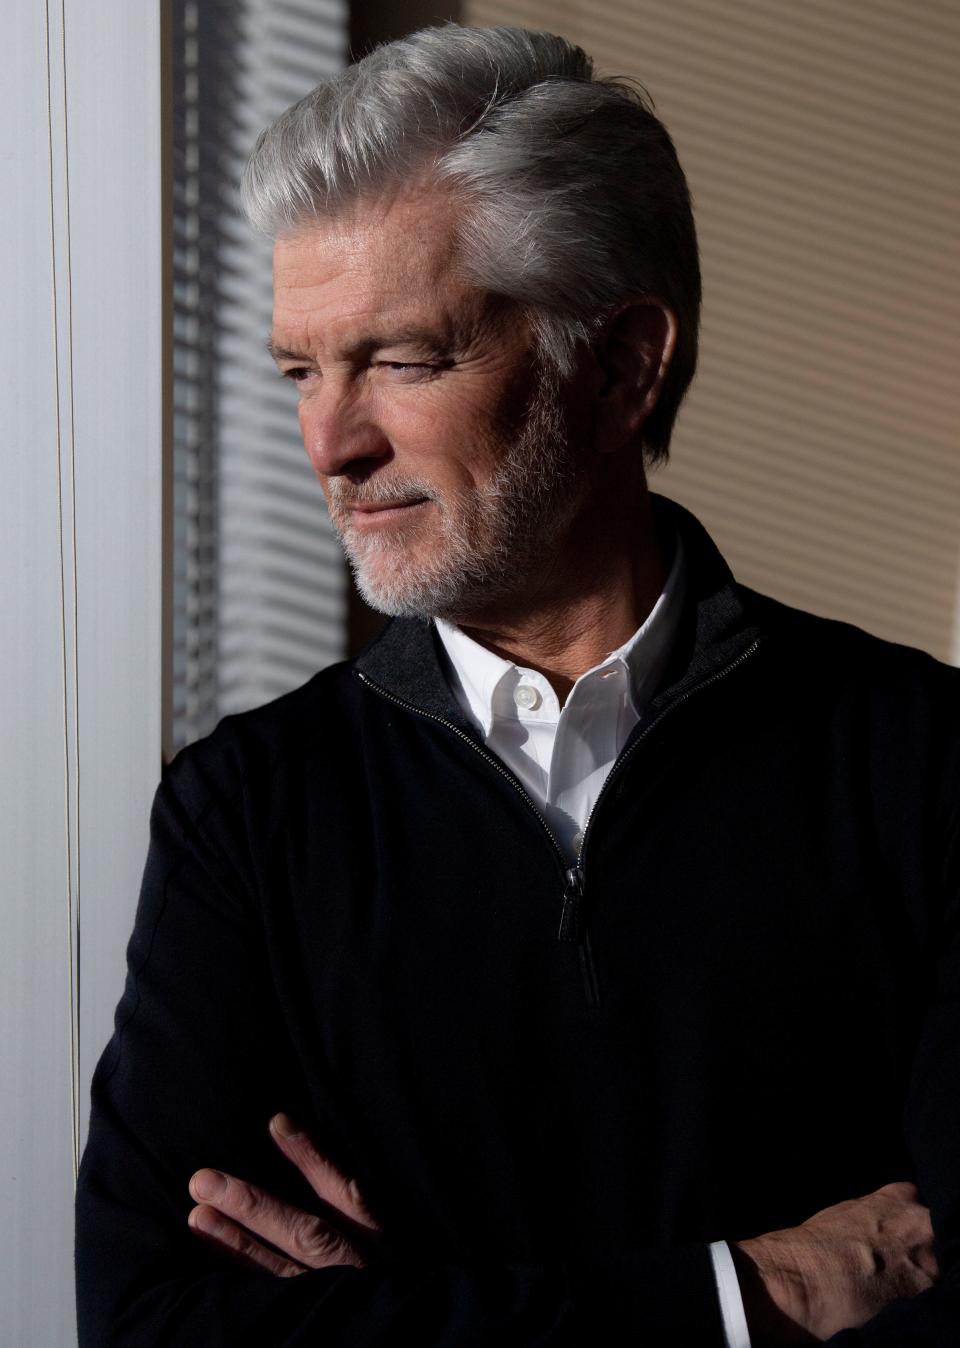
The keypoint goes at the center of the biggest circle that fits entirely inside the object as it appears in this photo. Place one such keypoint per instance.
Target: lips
(373, 507)
(368, 513)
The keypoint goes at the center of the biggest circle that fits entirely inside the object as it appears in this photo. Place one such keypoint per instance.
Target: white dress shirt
(562, 756)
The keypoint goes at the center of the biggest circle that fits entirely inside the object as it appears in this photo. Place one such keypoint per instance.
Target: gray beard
(493, 540)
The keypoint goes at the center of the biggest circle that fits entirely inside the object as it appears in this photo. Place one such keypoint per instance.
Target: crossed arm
(198, 1056)
(835, 1271)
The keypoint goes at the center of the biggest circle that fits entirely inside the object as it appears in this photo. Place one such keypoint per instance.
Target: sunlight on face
(487, 539)
(440, 441)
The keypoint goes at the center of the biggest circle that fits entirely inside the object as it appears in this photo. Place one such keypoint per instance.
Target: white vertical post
(80, 592)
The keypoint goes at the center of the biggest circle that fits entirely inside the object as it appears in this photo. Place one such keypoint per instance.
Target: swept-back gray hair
(575, 197)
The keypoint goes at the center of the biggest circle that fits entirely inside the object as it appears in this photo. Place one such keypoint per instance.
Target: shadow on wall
(380, 21)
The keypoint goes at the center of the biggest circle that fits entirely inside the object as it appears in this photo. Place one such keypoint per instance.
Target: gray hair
(576, 199)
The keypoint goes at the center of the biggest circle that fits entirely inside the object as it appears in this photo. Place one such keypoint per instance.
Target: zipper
(467, 739)
(570, 912)
(657, 721)
(572, 926)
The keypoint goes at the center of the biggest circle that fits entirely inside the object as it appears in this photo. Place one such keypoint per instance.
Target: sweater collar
(479, 675)
(716, 627)
(405, 660)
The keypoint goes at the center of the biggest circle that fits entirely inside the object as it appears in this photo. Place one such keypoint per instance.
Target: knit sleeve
(932, 1112)
(195, 1068)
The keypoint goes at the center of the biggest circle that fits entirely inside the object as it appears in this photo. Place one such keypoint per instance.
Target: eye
(409, 370)
(297, 374)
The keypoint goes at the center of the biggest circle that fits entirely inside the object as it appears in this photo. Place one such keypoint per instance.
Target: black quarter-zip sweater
(553, 1090)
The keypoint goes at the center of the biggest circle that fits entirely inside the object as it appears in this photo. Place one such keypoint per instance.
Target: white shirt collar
(478, 672)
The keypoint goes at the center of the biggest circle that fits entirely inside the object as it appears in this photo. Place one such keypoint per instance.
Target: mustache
(344, 495)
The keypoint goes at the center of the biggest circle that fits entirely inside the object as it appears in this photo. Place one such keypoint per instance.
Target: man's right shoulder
(316, 721)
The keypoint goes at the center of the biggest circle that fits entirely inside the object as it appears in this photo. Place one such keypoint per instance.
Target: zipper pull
(570, 913)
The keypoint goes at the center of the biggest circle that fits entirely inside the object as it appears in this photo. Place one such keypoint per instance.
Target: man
(598, 931)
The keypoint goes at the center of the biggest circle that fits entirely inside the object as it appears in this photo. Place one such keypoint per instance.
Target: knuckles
(242, 1200)
(318, 1244)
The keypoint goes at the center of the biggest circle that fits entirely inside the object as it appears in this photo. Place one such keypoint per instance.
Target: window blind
(258, 590)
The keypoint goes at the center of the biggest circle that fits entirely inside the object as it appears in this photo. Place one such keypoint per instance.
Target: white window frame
(82, 362)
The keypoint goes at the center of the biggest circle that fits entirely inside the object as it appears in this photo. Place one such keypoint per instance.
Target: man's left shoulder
(825, 636)
(852, 663)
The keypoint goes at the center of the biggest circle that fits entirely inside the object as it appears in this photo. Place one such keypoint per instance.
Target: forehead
(387, 261)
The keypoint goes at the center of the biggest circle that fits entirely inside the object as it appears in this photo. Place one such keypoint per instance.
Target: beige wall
(820, 442)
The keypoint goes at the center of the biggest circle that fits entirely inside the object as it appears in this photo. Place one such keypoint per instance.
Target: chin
(393, 589)
(399, 591)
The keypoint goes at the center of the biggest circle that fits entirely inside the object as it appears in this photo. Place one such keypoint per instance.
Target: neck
(600, 585)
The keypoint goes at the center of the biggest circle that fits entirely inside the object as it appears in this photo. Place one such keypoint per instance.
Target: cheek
(438, 440)
(453, 434)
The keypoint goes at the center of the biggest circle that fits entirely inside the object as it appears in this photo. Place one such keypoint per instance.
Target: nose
(341, 435)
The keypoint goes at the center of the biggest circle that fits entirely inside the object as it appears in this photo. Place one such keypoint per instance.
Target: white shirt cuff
(731, 1300)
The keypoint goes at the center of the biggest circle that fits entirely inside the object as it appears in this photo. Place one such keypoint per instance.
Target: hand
(838, 1269)
(233, 1214)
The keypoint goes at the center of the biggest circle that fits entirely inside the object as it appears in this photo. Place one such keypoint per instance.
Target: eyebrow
(424, 338)
(283, 352)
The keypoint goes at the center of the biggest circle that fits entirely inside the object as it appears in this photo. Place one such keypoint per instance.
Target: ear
(633, 353)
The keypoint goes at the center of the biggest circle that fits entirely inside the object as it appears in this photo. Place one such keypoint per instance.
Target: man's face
(442, 448)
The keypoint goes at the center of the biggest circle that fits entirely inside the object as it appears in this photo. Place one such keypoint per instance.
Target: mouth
(371, 514)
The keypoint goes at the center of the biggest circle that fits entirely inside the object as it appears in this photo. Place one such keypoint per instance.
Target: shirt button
(526, 697)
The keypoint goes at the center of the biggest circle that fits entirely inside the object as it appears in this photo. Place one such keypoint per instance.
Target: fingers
(220, 1231)
(323, 1176)
(247, 1221)
(901, 1215)
(902, 1190)
(906, 1233)
(925, 1261)
(298, 1235)
(901, 1241)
